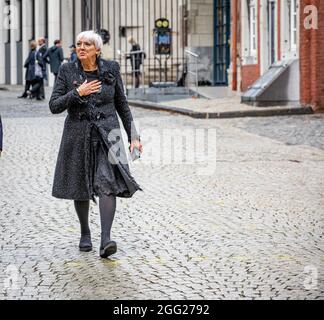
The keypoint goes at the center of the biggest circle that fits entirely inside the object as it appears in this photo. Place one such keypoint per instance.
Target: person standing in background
(137, 59)
(73, 56)
(42, 50)
(34, 66)
(54, 56)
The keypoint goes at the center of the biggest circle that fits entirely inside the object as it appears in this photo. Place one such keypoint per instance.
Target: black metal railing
(136, 19)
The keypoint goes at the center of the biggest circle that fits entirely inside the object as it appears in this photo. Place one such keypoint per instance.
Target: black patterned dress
(105, 175)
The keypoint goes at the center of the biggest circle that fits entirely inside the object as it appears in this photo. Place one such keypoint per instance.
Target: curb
(269, 112)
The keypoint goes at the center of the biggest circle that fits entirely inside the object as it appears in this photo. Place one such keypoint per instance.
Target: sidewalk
(219, 108)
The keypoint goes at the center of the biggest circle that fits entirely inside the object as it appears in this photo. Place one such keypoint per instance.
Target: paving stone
(248, 229)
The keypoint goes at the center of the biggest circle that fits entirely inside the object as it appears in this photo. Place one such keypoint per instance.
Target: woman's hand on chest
(88, 88)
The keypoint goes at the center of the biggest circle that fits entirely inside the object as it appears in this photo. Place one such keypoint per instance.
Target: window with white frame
(292, 7)
(253, 26)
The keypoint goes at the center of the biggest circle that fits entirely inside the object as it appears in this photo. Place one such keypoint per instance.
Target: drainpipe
(234, 46)
(279, 29)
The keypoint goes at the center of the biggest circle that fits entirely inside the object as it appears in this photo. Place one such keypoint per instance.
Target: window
(290, 29)
(253, 27)
(293, 24)
(249, 32)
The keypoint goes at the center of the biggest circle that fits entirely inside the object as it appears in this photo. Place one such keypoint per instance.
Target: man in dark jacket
(137, 58)
(1, 136)
(42, 50)
(55, 57)
(73, 56)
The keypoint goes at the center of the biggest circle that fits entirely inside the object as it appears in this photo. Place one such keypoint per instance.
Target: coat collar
(101, 68)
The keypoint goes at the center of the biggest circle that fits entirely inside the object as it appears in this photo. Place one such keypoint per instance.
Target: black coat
(137, 58)
(72, 178)
(54, 56)
(73, 57)
(43, 51)
(30, 64)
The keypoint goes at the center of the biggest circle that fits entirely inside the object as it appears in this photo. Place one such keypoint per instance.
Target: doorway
(222, 23)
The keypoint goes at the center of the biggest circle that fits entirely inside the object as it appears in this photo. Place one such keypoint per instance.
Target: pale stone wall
(201, 36)
(2, 43)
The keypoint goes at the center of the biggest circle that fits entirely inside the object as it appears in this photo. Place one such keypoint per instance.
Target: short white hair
(92, 37)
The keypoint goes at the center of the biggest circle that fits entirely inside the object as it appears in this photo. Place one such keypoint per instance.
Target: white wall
(201, 23)
(53, 27)
(67, 26)
(2, 46)
(39, 19)
(13, 47)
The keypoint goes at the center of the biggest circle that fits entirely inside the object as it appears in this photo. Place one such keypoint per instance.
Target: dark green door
(222, 25)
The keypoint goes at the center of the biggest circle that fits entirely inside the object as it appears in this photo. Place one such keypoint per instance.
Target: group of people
(36, 66)
(39, 56)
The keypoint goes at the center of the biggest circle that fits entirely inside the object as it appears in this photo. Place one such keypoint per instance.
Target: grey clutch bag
(135, 154)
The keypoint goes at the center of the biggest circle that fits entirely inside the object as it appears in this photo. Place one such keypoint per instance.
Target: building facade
(192, 25)
(273, 32)
(236, 41)
(25, 20)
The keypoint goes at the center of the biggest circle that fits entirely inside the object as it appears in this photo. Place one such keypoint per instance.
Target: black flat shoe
(85, 243)
(108, 250)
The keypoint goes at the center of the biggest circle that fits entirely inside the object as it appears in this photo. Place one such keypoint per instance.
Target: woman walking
(92, 160)
(34, 73)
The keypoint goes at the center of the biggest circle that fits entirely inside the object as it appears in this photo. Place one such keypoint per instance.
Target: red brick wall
(249, 73)
(312, 58)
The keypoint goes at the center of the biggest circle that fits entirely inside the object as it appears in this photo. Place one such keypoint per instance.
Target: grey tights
(107, 208)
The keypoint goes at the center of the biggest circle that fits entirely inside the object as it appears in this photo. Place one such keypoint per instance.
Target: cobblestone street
(251, 229)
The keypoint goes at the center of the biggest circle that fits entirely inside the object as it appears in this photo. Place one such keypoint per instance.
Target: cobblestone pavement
(251, 229)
